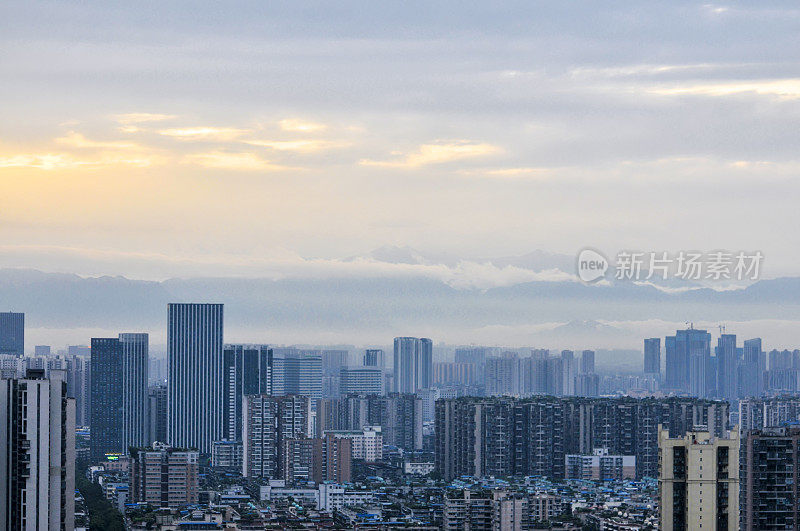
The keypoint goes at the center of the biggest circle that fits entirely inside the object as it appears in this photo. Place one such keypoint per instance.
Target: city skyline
(428, 265)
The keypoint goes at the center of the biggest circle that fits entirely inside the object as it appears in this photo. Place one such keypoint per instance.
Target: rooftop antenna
(690, 325)
(721, 329)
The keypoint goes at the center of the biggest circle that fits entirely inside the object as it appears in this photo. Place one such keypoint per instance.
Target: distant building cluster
(218, 433)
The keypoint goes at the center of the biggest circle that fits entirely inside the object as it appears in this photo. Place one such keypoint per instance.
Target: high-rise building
(652, 356)
(751, 383)
(413, 364)
(361, 380)
(587, 362)
(348, 413)
(37, 453)
(760, 413)
(474, 355)
(162, 476)
(727, 367)
(227, 454)
(135, 405)
(107, 398)
(553, 376)
(502, 376)
(400, 417)
(12, 333)
(194, 350)
(318, 460)
(769, 479)
(587, 385)
(374, 358)
(297, 376)
(268, 421)
(367, 442)
(455, 374)
(157, 414)
(336, 458)
(120, 405)
(247, 370)
(332, 362)
(688, 355)
(569, 369)
(78, 381)
(698, 481)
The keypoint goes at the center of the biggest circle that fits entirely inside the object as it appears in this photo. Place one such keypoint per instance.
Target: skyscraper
(107, 398)
(37, 453)
(750, 379)
(569, 369)
(12, 333)
(413, 364)
(135, 348)
(247, 370)
(698, 481)
(652, 356)
(587, 362)
(689, 362)
(727, 367)
(194, 351)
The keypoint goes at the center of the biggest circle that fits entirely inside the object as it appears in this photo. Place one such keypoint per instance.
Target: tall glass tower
(134, 389)
(194, 351)
(413, 364)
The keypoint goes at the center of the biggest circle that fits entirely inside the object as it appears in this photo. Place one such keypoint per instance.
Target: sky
(164, 139)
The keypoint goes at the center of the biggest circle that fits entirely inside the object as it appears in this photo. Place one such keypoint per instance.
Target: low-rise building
(600, 466)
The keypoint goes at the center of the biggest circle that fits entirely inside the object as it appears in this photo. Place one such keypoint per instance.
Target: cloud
(303, 146)
(784, 88)
(233, 161)
(42, 161)
(641, 70)
(279, 263)
(77, 140)
(222, 134)
(140, 117)
(437, 153)
(519, 173)
(301, 126)
(60, 161)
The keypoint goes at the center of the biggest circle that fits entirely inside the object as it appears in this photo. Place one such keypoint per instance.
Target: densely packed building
(506, 437)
